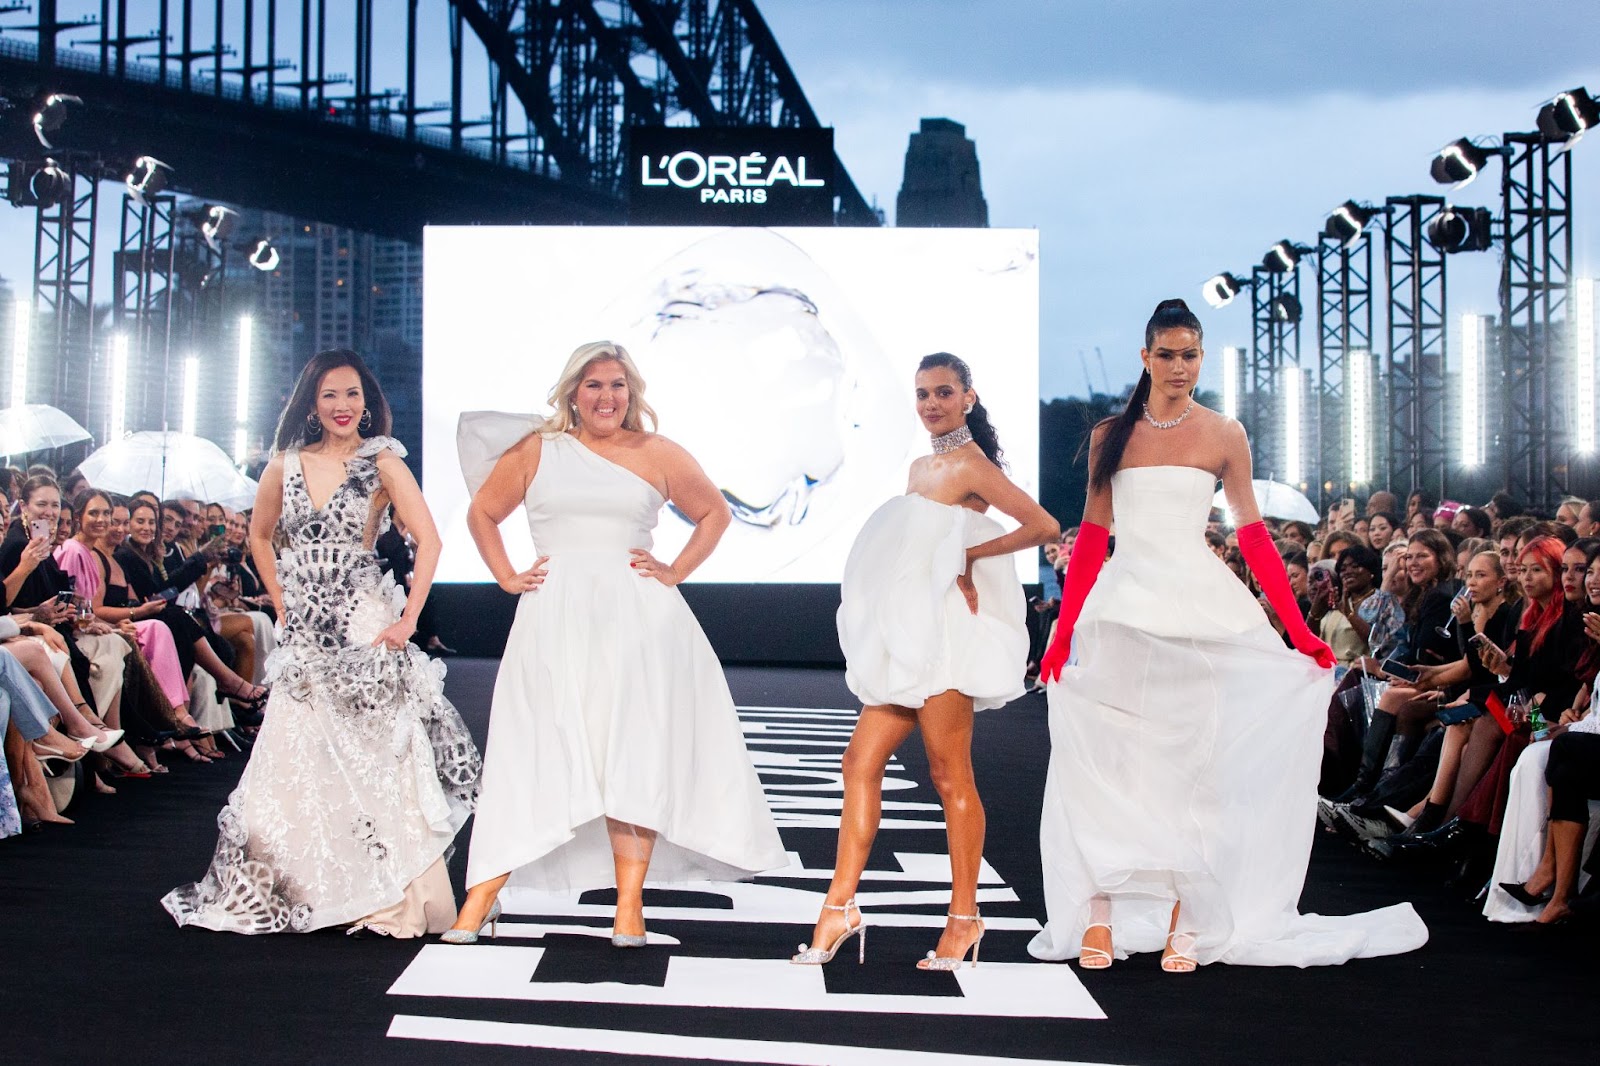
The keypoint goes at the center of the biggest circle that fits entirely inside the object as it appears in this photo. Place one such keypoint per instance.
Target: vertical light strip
(1230, 381)
(119, 387)
(1292, 472)
(191, 389)
(21, 348)
(1583, 352)
(241, 410)
(1358, 394)
(1474, 334)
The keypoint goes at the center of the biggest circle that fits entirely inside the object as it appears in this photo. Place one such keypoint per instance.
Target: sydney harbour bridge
(380, 116)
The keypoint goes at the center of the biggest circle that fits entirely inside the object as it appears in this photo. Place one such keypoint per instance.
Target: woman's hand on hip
(646, 565)
(527, 580)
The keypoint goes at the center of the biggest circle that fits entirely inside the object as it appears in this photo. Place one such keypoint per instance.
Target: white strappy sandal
(1094, 958)
(1181, 953)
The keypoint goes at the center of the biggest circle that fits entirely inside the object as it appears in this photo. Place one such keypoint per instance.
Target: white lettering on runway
(797, 752)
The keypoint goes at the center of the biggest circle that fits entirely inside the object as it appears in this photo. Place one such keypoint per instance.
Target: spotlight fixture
(219, 225)
(49, 185)
(263, 256)
(1458, 163)
(1461, 229)
(1568, 116)
(1284, 308)
(147, 178)
(1283, 257)
(1220, 290)
(52, 115)
(1348, 222)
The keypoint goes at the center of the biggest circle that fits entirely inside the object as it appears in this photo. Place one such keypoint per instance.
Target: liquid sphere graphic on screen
(777, 384)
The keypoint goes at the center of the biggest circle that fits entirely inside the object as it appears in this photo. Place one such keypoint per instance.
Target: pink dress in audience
(155, 639)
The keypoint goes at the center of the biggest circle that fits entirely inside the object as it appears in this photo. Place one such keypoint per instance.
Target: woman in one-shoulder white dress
(614, 747)
(933, 627)
(1184, 742)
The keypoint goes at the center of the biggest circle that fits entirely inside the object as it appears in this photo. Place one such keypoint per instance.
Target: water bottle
(1537, 724)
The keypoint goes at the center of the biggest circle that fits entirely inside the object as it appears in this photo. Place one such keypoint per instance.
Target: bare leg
(1544, 875)
(480, 897)
(33, 795)
(631, 846)
(1178, 957)
(1482, 747)
(228, 682)
(1565, 844)
(240, 632)
(879, 731)
(1444, 778)
(36, 661)
(946, 721)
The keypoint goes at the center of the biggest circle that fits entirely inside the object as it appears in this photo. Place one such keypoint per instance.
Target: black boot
(1431, 818)
(1374, 751)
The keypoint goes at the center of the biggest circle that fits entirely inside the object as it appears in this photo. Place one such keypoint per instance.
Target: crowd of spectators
(131, 629)
(1462, 731)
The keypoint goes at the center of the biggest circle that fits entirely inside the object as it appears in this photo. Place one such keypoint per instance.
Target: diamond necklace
(949, 442)
(1171, 422)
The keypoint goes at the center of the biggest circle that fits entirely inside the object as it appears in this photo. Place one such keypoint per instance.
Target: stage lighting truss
(1458, 163)
(52, 115)
(1583, 365)
(1462, 229)
(1285, 308)
(1474, 349)
(263, 256)
(219, 224)
(1283, 257)
(1348, 222)
(147, 178)
(1221, 290)
(1568, 116)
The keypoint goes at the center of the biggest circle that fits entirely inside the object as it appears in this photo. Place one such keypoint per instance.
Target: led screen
(782, 359)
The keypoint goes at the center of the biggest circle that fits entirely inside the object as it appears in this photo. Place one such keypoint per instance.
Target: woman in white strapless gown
(614, 747)
(1185, 742)
(933, 627)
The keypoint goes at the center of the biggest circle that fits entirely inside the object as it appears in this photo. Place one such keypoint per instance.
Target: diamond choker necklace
(949, 442)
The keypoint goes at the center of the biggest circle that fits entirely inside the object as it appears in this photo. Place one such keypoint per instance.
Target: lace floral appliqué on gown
(363, 771)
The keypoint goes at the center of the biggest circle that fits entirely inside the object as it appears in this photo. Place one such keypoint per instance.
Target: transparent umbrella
(170, 465)
(1277, 500)
(36, 427)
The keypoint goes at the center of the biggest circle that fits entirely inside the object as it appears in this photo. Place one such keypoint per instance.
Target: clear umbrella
(1277, 500)
(37, 427)
(170, 465)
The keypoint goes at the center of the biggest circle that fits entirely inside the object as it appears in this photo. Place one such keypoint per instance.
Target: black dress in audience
(185, 630)
(1429, 646)
(145, 581)
(1552, 667)
(1502, 630)
(45, 583)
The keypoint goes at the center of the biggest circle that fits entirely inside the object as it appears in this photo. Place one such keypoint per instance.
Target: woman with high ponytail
(932, 625)
(1183, 705)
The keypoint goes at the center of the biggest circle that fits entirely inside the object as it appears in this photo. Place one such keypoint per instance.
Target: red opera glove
(1088, 556)
(1255, 544)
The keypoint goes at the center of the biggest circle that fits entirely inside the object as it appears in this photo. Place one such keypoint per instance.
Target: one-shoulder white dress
(905, 628)
(1185, 747)
(609, 701)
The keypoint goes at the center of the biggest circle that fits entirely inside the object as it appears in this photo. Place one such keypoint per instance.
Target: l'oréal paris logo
(726, 179)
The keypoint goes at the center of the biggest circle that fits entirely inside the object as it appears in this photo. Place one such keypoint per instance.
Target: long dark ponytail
(978, 418)
(1169, 314)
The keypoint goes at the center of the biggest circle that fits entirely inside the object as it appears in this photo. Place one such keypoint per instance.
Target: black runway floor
(95, 971)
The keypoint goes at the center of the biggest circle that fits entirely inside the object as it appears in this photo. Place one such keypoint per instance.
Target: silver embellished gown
(363, 772)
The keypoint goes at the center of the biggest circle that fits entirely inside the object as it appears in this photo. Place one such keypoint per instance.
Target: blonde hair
(566, 388)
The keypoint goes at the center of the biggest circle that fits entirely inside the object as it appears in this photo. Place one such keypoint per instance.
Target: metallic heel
(810, 956)
(945, 962)
(470, 936)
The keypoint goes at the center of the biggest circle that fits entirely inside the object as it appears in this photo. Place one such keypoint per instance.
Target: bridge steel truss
(1344, 333)
(1415, 450)
(1535, 279)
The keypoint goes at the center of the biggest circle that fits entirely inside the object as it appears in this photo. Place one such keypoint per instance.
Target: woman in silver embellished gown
(363, 771)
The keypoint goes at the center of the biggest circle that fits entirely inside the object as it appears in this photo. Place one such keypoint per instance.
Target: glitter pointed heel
(810, 956)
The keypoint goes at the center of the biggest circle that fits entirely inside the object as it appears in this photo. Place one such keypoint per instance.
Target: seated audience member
(1217, 543)
(1421, 501)
(1298, 532)
(1417, 522)
(1588, 524)
(1569, 510)
(1468, 548)
(1383, 527)
(1473, 522)
(1502, 505)
(1355, 617)
(1382, 502)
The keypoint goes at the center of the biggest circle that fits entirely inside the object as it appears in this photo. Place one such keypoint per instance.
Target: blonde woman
(614, 748)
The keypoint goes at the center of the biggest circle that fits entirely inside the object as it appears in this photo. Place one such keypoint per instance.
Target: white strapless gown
(904, 626)
(1185, 747)
(609, 701)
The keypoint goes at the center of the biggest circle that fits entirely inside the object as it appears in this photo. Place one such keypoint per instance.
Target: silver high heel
(945, 962)
(810, 956)
(470, 936)
(629, 940)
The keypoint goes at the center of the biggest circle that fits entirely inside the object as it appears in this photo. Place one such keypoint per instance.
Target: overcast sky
(1152, 142)
(1157, 142)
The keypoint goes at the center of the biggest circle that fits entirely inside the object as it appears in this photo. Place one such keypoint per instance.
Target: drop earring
(313, 424)
(365, 422)
(967, 410)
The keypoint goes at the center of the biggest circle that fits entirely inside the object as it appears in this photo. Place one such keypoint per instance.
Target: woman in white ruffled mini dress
(933, 628)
